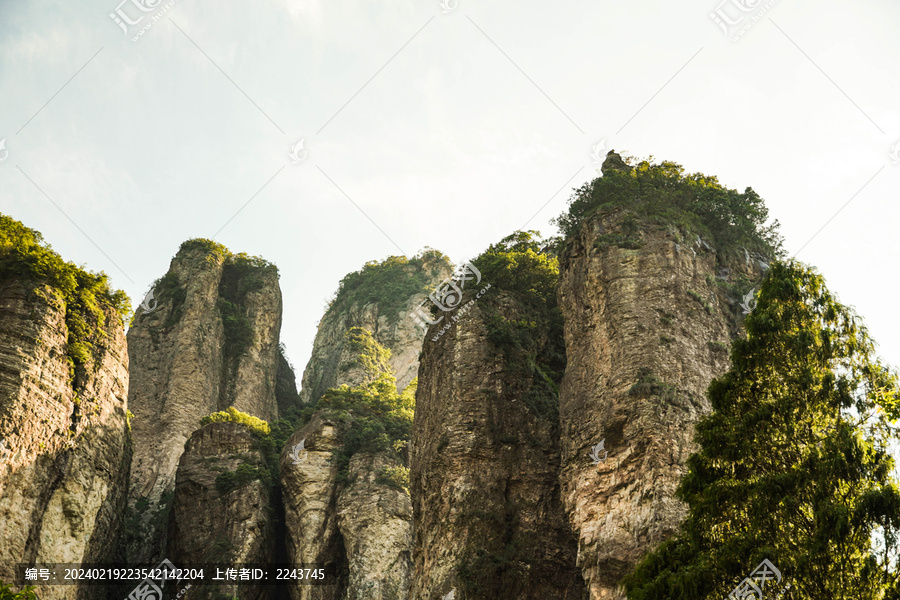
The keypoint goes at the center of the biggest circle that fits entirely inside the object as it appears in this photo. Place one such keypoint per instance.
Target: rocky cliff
(379, 298)
(488, 517)
(649, 309)
(65, 448)
(222, 510)
(534, 456)
(343, 477)
(206, 341)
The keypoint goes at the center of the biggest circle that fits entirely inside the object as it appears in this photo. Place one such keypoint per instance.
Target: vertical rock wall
(65, 454)
(646, 331)
(211, 342)
(484, 469)
(221, 526)
(387, 320)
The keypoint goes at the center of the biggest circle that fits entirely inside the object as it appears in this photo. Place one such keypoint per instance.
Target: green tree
(792, 463)
(26, 593)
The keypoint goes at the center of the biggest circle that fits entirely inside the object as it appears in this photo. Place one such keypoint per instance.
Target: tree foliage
(793, 462)
(88, 297)
(390, 283)
(378, 418)
(663, 193)
(518, 267)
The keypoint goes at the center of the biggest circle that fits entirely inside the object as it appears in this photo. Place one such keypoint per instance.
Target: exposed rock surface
(355, 523)
(366, 300)
(484, 466)
(66, 452)
(308, 479)
(654, 316)
(210, 343)
(375, 522)
(218, 526)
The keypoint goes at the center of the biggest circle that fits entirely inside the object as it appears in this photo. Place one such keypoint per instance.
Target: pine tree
(792, 463)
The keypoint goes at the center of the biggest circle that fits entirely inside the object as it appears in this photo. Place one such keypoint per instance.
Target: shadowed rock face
(217, 526)
(308, 479)
(388, 322)
(484, 474)
(356, 523)
(211, 343)
(66, 451)
(646, 330)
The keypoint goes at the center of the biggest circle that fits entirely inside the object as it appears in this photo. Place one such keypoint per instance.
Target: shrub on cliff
(531, 333)
(793, 463)
(232, 415)
(26, 593)
(25, 256)
(390, 283)
(663, 193)
(379, 419)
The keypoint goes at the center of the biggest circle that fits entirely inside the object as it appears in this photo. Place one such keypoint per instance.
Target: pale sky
(447, 127)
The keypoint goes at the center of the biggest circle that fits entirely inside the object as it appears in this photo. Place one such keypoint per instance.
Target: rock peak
(614, 162)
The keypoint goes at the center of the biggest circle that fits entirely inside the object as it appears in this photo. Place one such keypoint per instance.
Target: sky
(322, 135)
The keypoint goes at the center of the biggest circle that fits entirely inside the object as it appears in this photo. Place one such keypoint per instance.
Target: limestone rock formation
(375, 523)
(378, 298)
(308, 479)
(211, 341)
(65, 449)
(342, 509)
(485, 451)
(647, 327)
(215, 521)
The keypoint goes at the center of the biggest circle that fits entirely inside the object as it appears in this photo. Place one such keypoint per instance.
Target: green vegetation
(378, 418)
(268, 439)
(649, 384)
(397, 477)
(241, 275)
(663, 194)
(532, 340)
(390, 283)
(232, 415)
(372, 356)
(793, 462)
(141, 524)
(88, 298)
(26, 593)
(244, 474)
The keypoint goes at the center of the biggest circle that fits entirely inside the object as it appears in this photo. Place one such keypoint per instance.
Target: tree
(792, 464)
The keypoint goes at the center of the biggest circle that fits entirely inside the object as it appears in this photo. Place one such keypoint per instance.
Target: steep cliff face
(209, 342)
(218, 520)
(485, 445)
(344, 489)
(377, 298)
(63, 386)
(308, 478)
(649, 312)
